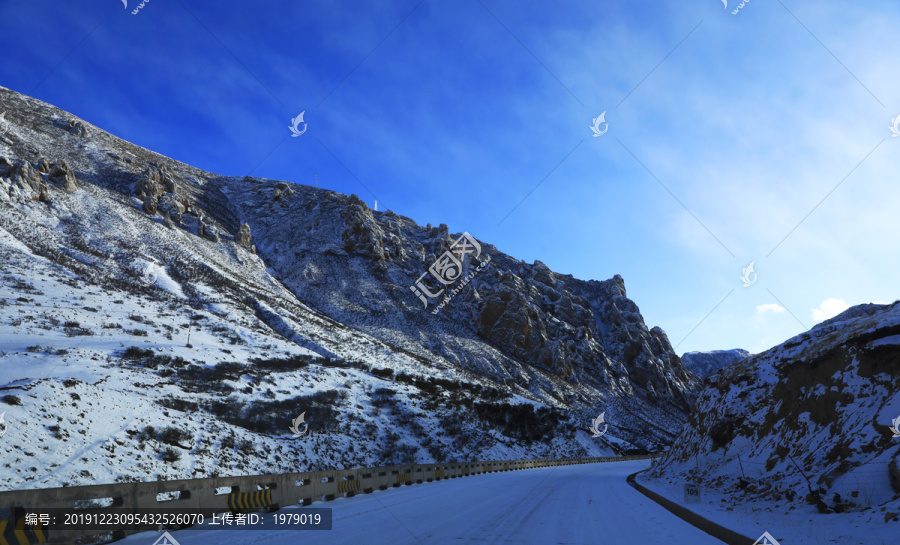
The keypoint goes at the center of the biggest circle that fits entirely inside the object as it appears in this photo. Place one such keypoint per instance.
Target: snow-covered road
(582, 504)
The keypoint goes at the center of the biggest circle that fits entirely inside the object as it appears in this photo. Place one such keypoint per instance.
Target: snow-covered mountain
(805, 427)
(704, 364)
(160, 320)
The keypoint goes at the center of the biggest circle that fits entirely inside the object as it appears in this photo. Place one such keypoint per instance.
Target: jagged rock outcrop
(149, 184)
(545, 319)
(172, 205)
(61, 174)
(44, 193)
(78, 128)
(205, 229)
(156, 181)
(24, 175)
(43, 165)
(363, 235)
(19, 181)
(283, 192)
(149, 205)
(245, 239)
(158, 190)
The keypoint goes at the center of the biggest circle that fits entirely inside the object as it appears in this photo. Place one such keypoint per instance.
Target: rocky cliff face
(805, 425)
(704, 364)
(325, 274)
(530, 320)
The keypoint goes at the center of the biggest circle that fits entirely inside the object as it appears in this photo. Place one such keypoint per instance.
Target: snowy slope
(803, 429)
(160, 321)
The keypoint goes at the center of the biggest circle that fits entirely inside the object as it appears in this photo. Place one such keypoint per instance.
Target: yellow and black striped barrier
(404, 477)
(250, 500)
(17, 533)
(348, 486)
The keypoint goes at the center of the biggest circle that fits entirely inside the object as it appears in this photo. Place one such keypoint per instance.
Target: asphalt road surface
(573, 505)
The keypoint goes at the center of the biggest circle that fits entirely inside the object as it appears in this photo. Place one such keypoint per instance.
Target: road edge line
(719, 532)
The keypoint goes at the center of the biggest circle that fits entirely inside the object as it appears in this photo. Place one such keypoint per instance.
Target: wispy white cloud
(770, 307)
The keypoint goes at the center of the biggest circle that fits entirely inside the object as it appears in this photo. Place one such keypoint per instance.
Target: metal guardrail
(227, 494)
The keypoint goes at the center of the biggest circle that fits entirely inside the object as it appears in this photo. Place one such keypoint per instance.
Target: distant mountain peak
(704, 364)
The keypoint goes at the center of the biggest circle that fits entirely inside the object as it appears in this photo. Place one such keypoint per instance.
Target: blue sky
(758, 136)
